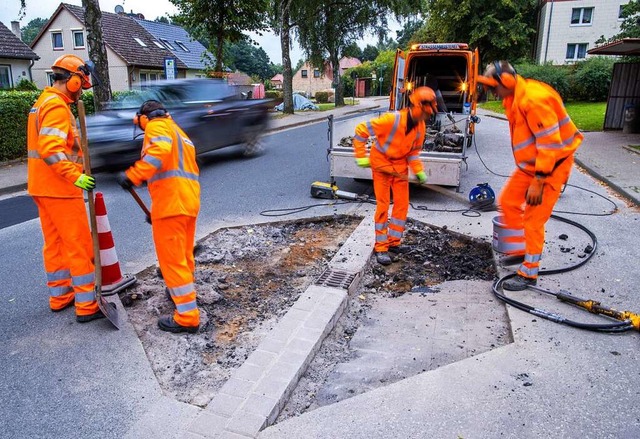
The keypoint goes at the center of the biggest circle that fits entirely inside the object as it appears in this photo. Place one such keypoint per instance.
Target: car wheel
(253, 144)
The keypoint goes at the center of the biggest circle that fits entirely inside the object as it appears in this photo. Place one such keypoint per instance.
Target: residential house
(567, 29)
(276, 81)
(308, 80)
(135, 54)
(16, 58)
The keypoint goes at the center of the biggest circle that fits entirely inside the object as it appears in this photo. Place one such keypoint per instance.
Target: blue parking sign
(170, 68)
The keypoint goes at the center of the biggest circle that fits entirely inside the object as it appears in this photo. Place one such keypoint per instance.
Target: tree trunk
(287, 74)
(337, 80)
(97, 51)
(219, 49)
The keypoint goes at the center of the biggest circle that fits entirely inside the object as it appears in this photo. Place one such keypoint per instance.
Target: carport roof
(625, 46)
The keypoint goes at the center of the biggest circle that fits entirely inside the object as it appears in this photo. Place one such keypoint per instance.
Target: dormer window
(139, 41)
(158, 44)
(181, 45)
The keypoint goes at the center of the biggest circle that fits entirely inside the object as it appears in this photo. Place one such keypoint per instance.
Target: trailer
(451, 70)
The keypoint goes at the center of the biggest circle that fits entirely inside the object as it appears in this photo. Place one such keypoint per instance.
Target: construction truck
(450, 69)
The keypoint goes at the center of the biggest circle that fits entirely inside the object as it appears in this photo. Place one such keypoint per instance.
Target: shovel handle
(143, 206)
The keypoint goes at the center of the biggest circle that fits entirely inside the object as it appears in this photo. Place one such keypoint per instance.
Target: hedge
(14, 112)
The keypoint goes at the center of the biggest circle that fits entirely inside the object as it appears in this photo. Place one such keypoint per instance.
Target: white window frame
(304, 73)
(139, 41)
(74, 32)
(621, 16)
(157, 43)
(581, 19)
(168, 44)
(181, 45)
(49, 78)
(57, 32)
(9, 76)
(576, 51)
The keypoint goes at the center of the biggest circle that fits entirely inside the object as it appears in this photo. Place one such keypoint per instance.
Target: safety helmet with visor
(77, 72)
(424, 97)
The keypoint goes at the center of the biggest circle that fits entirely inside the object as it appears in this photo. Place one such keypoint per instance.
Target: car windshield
(176, 94)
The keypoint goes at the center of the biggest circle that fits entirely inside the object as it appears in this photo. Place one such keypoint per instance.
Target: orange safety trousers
(389, 230)
(174, 237)
(519, 216)
(68, 253)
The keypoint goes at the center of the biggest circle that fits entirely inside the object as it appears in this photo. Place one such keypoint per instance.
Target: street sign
(170, 68)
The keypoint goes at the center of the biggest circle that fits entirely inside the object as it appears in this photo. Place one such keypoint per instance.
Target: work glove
(363, 162)
(422, 177)
(534, 193)
(124, 181)
(86, 182)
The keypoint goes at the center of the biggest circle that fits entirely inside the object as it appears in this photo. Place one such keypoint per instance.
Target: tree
(404, 35)
(499, 29)
(369, 53)
(221, 20)
(630, 26)
(353, 51)
(97, 51)
(32, 29)
(329, 26)
(249, 59)
(163, 19)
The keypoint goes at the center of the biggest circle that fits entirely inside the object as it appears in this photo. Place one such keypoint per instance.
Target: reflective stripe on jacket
(542, 133)
(53, 147)
(392, 141)
(168, 163)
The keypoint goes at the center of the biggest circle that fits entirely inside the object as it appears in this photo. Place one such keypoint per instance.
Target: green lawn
(331, 105)
(588, 116)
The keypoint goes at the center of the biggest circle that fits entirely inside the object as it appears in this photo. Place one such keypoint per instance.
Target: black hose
(597, 327)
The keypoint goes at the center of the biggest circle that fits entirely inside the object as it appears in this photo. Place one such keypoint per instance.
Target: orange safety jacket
(393, 145)
(542, 133)
(54, 158)
(169, 165)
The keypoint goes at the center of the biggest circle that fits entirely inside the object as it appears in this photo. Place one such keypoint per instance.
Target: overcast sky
(9, 10)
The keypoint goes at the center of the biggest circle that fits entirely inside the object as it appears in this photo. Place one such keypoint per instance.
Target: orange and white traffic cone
(112, 279)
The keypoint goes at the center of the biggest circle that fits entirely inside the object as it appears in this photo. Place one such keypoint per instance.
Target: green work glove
(422, 177)
(363, 162)
(86, 182)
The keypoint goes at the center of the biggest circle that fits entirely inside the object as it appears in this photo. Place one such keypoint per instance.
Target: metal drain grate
(336, 279)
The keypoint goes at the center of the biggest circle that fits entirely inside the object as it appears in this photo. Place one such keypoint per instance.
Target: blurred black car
(212, 113)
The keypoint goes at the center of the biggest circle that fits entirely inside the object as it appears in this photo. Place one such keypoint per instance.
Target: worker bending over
(543, 140)
(399, 139)
(168, 164)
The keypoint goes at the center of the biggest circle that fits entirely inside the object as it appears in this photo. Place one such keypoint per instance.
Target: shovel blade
(110, 312)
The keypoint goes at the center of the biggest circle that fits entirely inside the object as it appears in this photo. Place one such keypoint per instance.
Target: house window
(50, 78)
(182, 46)
(5, 77)
(78, 39)
(304, 73)
(56, 40)
(316, 73)
(581, 15)
(576, 51)
(139, 41)
(621, 14)
(167, 43)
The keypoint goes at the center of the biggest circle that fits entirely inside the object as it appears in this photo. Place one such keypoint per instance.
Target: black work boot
(383, 258)
(518, 283)
(95, 316)
(166, 323)
(399, 249)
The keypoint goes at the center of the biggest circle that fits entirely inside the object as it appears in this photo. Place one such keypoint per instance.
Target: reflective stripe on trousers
(389, 232)
(174, 238)
(68, 253)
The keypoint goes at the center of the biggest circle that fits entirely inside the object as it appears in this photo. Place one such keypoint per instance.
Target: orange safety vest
(393, 145)
(54, 158)
(542, 133)
(169, 165)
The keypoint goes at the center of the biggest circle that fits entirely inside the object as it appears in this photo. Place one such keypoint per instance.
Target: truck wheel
(253, 143)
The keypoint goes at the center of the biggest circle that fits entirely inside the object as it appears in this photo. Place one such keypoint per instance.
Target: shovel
(109, 312)
(143, 206)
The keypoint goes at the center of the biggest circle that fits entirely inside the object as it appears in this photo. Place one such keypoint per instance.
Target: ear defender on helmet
(77, 72)
(506, 78)
(141, 119)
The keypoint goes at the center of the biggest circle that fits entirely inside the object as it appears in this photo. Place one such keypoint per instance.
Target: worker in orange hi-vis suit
(543, 140)
(168, 164)
(56, 181)
(399, 139)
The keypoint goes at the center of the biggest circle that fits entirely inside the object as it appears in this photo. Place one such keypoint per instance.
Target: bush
(26, 85)
(14, 111)
(556, 76)
(322, 97)
(272, 94)
(591, 79)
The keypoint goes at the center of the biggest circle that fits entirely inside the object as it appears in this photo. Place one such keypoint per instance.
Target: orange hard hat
(75, 66)
(422, 96)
